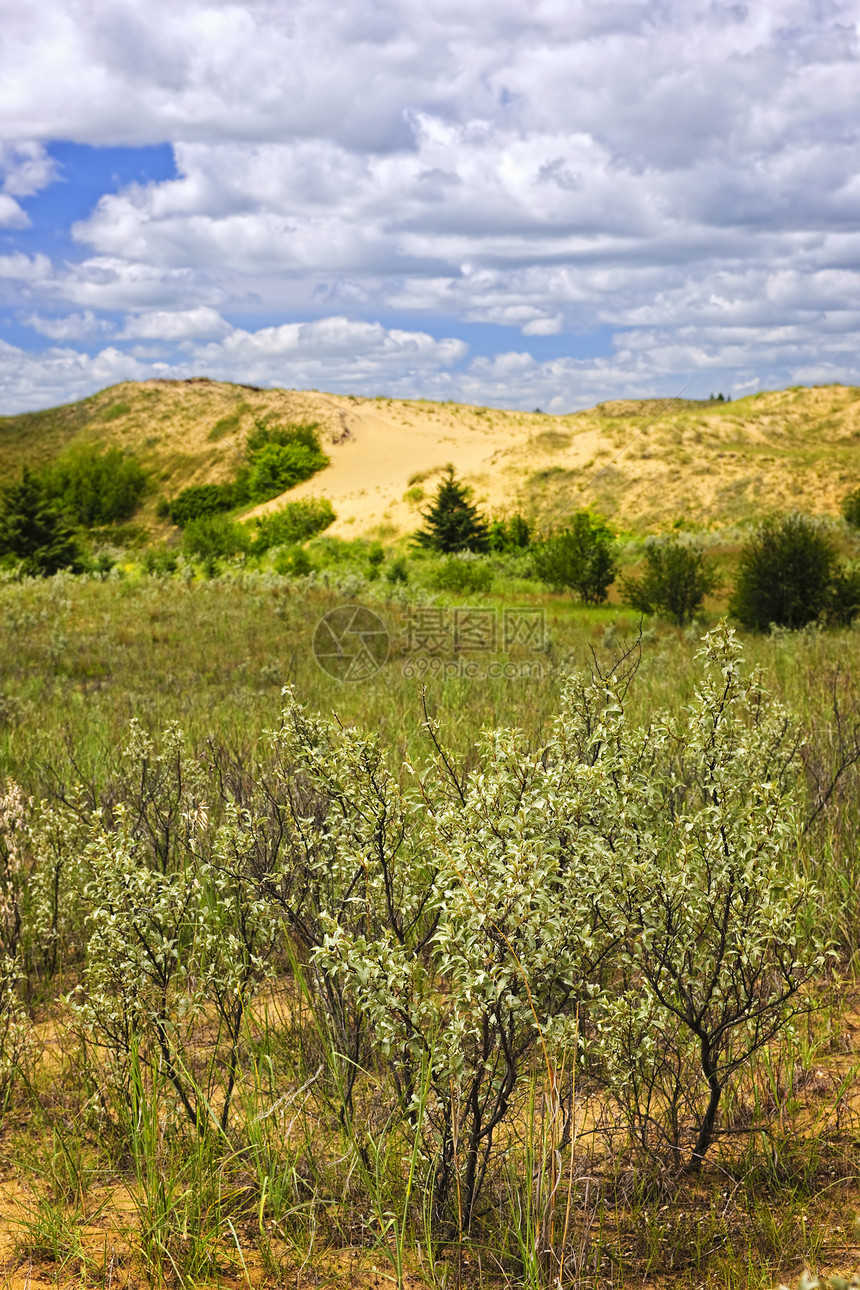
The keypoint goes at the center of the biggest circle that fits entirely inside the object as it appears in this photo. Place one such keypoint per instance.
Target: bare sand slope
(645, 464)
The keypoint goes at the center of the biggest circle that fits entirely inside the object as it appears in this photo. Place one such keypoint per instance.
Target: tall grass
(291, 1187)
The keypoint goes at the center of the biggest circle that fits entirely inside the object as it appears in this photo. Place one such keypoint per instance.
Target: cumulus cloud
(70, 326)
(685, 175)
(178, 324)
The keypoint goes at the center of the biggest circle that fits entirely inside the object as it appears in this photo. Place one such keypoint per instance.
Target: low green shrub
(92, 487)
(463, 575)
(579, 559)
(201, 499)
(675, 581)
(295, 522)
(215, 537)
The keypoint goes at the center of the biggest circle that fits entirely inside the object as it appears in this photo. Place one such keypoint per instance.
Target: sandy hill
(645, 464)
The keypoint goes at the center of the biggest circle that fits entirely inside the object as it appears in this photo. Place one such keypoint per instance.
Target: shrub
(278, 467)
(628, 892)
(295, 563)
(308, 435)
(457, 574)
(34, 532)
(513, 534)
(843, 601)
(716, 941)
(214, 537)
(92, 487)
(201, 499)
(397, 570)
(579, 559)
(851, 508)
(295, 522)
(453, 523)
(159, 561)
(785, 575)
(675, 582)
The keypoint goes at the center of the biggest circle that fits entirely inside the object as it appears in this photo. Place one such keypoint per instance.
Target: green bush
(295, 522)
(34, 533)
(93, 487)
(851, 508)
(159, 561)
(786, 575)
(579, 559)
(295, 563)
(675, 582)
(278, 467)
(510, 535)
(215, 537)
(457, 574)
(453, 523)
(202, 499)
(308, 435)
(397, 571)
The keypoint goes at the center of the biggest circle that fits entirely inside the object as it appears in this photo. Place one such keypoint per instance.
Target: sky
(529, 203)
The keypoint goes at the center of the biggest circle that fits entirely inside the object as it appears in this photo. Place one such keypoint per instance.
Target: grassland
(105, 1182)
(88, 1201)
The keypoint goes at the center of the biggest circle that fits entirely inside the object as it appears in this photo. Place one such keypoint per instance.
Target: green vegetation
(453, 523)
(93, 487)
(675, 581)
(277, 459)
(315, 1055)
(789, 574)
(531, 964)
(580, 558)
(33, 533)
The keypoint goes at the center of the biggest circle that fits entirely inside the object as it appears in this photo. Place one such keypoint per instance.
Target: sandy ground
(647, 465)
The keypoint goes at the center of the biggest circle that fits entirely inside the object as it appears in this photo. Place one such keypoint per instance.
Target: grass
(122, 1192)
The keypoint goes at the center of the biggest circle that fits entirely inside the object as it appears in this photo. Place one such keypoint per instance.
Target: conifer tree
(453, 523)
(34, 532)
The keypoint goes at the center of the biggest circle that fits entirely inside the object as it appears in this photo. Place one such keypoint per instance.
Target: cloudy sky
(523, 203)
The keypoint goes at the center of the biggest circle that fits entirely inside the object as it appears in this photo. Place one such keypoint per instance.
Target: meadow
(193, 1095)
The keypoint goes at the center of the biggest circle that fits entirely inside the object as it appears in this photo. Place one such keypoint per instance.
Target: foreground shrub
(579, 559)
(785, 574)
(675, 581)
(622, 888)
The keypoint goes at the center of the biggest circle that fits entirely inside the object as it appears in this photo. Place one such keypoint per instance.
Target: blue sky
(525, 204)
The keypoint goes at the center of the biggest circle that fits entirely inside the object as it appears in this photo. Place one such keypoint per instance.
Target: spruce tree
(34, 532)
(453, 523)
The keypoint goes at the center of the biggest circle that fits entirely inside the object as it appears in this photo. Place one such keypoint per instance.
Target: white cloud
(685, 174)
(11, 214)
(25, 268)
(179, 324)
(70, 327)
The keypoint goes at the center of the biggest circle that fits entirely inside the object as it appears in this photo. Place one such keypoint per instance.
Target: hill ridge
(706, 463)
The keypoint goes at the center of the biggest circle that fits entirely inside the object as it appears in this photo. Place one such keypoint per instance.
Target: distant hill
(707, 463)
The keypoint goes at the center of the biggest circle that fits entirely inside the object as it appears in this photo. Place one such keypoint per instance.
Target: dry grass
(704, 462)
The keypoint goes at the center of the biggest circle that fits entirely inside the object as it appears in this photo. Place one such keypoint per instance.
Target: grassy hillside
(705, 463)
